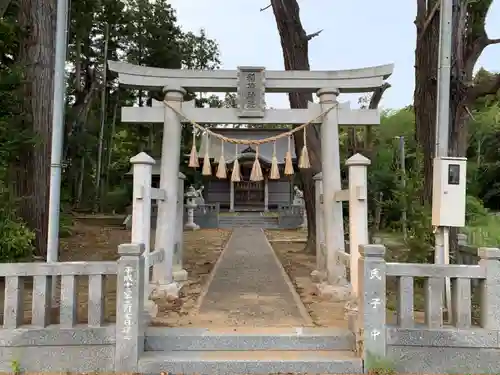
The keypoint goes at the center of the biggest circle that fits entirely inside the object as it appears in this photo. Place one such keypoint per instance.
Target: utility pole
(59, 103)
(441, 255)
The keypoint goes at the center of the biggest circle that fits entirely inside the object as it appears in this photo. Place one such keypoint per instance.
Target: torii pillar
(166, 226)
(336, 287)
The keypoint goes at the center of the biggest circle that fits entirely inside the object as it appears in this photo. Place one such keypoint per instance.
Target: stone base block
(334, 293)
(180, 275)
(318, 276)
(151, 309)
(351, 314)
(191, 226)
(168, 291)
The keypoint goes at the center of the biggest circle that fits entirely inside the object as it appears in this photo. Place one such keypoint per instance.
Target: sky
(357, 33)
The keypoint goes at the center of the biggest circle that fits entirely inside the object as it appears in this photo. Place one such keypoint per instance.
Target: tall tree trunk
(81, 177)
(295, 46)
(111, 141)
(425, 94)
(99, 175)
(37, 17)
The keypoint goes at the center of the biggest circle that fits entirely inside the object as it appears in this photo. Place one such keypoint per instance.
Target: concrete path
(250, 287)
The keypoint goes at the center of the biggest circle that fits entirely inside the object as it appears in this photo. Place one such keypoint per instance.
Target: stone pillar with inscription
(167, 209)
(129, 308)
(368, 314)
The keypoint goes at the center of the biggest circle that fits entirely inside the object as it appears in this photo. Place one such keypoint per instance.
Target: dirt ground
(90, 242)
(289, 246)
(202, 249)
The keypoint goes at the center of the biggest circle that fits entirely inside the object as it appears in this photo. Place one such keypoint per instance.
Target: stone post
(319, 273)
(371, 317)
(129, 307)
(303, 226)
(179, 273)
(490, 288)
(337, 287)
(167, 209)
(231, 196)
(266, 194)
(462, 239)
(142, 165)
(358, 211)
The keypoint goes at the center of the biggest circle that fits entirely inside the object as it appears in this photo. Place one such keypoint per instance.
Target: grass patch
(485, 233)
(230, 214)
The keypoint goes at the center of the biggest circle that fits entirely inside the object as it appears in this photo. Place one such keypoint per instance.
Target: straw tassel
(193, 157)
(275, 172)
(288, 158)
(207, 168)
(235, 175)
(304, 162)
(221, 168)
(256, 174)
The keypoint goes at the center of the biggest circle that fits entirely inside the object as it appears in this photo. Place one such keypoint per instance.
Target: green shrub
(65, 225)
(16, 240)
(117, 200)
(475, 212)
(379, 366)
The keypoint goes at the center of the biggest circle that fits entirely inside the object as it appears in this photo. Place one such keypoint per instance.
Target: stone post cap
(131, 249)
(372, 251)
(489, 253)
(318, 176)
(357, 159)
(174, 93)
(142, 158)
(328, 90)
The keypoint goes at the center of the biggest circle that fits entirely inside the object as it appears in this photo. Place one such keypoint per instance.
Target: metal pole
(441, 255)
(59, 102)
(402, 156)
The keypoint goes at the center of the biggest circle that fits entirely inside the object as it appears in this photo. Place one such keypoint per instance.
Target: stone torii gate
(251, 84)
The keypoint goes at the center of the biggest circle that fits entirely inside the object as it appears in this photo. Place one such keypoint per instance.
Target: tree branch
(492, 41)
(263, 9)
(429, 19)
(488, 87)
(377, 95)
(4, 4)
(314, 35)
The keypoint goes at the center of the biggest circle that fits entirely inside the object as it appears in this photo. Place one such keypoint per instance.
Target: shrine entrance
(249, 286)
(249, 195)
(272, 157)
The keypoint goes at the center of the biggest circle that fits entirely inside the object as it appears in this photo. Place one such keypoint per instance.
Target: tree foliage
(137, 31)
(146, 32)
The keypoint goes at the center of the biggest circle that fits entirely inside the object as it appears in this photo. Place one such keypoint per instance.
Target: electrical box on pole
(448, 194)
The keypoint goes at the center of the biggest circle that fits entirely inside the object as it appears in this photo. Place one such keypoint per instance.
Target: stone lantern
(191, 196)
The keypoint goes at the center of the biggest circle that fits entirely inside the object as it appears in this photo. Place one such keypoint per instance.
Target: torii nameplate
(251, 91)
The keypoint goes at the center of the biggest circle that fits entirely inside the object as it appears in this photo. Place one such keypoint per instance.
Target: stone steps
(248, 221)
(250, 362)
(167, 339)
(249, 351)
